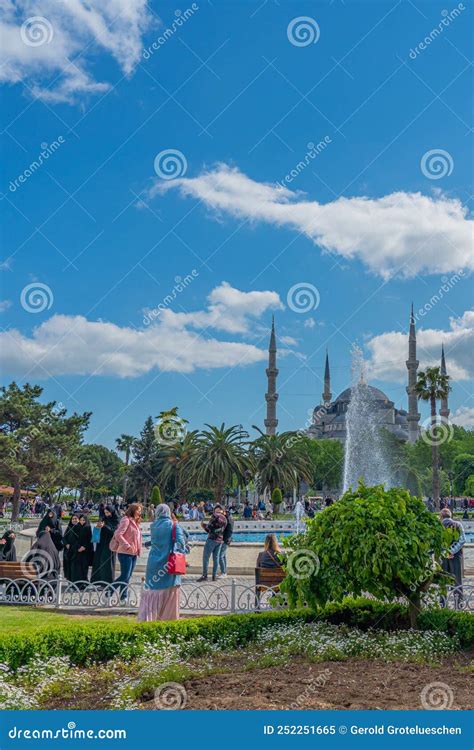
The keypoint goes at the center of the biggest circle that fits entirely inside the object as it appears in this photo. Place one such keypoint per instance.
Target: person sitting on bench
(269, 557)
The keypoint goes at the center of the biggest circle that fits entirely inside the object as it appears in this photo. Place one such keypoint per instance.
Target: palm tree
(280, 460)
(125, 444)
(432, 386)
(176, 464)
(219, 455)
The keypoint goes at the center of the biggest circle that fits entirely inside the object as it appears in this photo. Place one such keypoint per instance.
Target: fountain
(299, 513)
(364, 454)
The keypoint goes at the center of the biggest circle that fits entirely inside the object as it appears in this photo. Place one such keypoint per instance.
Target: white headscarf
(162, 511)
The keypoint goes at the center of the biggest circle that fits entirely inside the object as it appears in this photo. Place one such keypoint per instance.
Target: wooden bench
(268, 578)
(11, 571)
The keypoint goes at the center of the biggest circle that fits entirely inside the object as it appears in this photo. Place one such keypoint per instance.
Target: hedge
(95, 641)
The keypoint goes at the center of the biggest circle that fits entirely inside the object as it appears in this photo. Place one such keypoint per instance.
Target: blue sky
(368, 221)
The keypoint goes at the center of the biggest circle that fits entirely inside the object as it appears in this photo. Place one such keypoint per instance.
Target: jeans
(223, 558)
(213, 548)
(127, 564)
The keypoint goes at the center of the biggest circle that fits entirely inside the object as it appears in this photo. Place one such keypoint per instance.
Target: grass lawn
(14, 619)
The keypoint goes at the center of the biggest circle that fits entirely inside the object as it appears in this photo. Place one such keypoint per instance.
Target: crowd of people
(91, 550)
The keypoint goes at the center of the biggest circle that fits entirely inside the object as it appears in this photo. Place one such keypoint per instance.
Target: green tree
(124, 444)
(384, 543)
(432, 386)
(156, 496)
(469, 486)
(327, 462)
(219, 455)
(98, 470)
(176, 473)
(170, 427)
(463, 467)
(280, 460)
(37, 440)
(147, 461)
(277, 499)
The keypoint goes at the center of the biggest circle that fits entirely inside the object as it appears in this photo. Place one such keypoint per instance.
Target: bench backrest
(270, 577)
(14, 570)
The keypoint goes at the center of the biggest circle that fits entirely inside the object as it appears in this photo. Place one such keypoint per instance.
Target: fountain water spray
(364, 453)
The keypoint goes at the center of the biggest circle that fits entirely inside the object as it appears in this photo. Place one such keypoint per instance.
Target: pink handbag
(176, 560)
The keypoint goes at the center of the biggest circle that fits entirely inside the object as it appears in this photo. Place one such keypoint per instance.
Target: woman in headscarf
(160, 599)
(85, 550)
(50, 522)
(45, 557)
(103, 568)
(7, 546)
(71, 545)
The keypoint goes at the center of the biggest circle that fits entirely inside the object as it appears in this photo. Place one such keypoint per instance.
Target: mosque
(329, 417)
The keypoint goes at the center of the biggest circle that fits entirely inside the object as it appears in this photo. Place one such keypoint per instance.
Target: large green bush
(384, 543)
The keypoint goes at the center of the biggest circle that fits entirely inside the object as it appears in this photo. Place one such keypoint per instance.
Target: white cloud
(398, 234)
(388, 351)
(5, 304)
(464, 417)
(71, 32)
(309, 323)
(288, 340)
(229, 310)
(73, 345)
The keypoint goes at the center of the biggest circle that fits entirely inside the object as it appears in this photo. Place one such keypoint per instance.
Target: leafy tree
(156, 496)
(372, 540)
(327, 463)
(280, 460)
(124, 445)
(147, 461)
(37, 440)
(403, 463)
(98, 470)
(463, 467)
(469, 486)
(218, 456)
(432, 386)
(277, 498)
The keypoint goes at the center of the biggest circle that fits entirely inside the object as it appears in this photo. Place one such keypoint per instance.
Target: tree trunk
(414, 607)
(434, 454)
(16, 499)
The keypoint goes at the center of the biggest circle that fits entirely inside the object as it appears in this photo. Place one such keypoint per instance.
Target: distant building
(329, 418)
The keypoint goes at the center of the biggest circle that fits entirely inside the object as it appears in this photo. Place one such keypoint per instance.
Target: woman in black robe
(71, 545)
(50, 521)
(85, 550)
(103, 568)
(45, 557)
(7, 546)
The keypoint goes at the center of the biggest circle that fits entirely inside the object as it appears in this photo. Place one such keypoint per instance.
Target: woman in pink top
(128, 544)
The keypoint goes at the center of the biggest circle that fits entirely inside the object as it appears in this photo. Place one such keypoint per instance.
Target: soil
(353, 684)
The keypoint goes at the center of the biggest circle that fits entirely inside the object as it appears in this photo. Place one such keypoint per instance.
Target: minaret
(444, 410)
(271, 395)
(412, 366)
(327, 395)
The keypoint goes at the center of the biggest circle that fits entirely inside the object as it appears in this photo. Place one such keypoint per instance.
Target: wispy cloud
(398, 234)
(49, 45)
